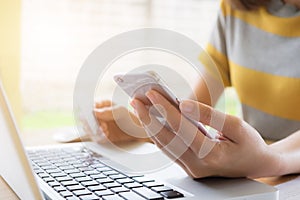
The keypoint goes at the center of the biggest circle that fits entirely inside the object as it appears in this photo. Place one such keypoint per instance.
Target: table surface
(36, 138)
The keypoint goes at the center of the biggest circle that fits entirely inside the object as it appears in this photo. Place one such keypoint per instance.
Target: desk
(36, 138)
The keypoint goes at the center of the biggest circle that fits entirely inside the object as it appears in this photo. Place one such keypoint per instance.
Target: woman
(255, 45)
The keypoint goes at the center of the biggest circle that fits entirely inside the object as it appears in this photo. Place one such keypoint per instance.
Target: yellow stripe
(276, 95)
(220, 61)
(283, 26)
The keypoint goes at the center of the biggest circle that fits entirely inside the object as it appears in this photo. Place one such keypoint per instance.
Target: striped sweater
(258, 53)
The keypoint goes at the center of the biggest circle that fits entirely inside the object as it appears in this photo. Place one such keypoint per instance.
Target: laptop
(87, 171)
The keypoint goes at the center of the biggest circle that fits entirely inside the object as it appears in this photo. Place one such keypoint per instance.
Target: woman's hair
(248, 4)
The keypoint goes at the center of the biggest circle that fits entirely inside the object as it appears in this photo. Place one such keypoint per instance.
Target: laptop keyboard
(80, 175)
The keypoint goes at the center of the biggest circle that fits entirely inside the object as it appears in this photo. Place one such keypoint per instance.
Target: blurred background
(45, 42)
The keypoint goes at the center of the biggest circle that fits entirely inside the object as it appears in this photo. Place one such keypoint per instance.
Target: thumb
(103, 103)
(110, 113)
(228, 125)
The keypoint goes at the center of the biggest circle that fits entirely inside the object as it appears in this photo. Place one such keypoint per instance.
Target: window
(58, 35)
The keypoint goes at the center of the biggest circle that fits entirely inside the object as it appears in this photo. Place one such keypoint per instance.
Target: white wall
(57, 35)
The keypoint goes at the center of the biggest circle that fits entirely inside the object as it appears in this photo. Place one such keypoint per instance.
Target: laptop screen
(14, 168)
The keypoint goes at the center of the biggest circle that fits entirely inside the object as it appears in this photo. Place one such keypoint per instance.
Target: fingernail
(186, 106)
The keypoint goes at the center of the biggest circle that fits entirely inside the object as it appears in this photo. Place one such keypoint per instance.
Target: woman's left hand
(243, 152)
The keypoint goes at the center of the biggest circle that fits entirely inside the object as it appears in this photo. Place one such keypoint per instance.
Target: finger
(168, 141)
(103, 103)
(141, 111)
(110, 113)
(173, 143)
(149, 122)
(178, 161)
(179, 152)
(103, 126)
(165, 108)
(188, 132)
(222, 122)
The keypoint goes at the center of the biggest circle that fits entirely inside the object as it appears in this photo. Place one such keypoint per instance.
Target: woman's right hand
(241, 152)
(119, 124)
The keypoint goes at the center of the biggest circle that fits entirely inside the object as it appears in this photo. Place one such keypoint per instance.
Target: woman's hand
(118, 124)
(243, 153)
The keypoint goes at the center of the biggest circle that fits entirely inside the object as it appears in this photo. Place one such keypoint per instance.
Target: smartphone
(136, 85)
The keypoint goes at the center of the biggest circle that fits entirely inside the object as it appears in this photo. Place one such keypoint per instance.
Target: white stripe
(269, 126)
(256, 49)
